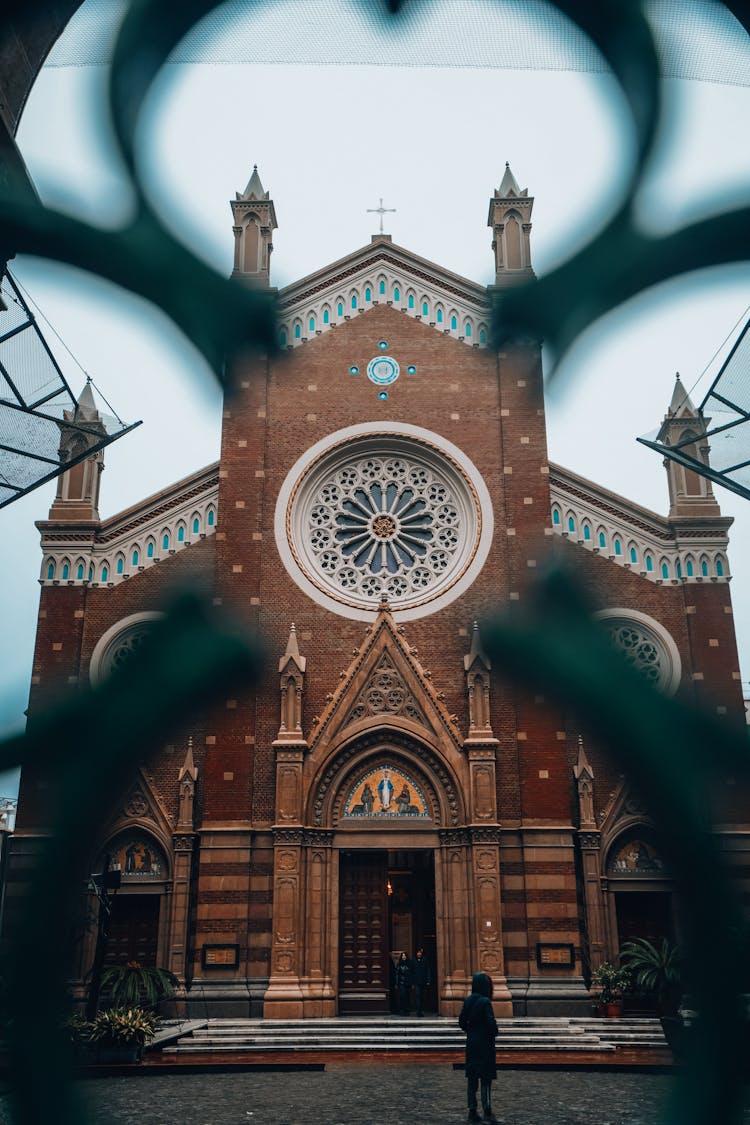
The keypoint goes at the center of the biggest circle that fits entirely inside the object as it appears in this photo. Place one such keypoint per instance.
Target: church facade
(383, 484)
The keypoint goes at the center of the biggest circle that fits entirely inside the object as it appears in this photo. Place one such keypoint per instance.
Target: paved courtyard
(362, 1095)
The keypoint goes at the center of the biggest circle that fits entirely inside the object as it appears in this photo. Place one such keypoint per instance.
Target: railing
(673, 755)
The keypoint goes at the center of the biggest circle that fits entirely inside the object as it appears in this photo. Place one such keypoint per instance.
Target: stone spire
(77, 495)
(187, 778)
(510, 220)
(477, 668)
(683, 427)
(254, 223)
(292, 676)
(584, 776)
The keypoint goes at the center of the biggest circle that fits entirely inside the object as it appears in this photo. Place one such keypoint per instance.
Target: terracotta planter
(614, 1009)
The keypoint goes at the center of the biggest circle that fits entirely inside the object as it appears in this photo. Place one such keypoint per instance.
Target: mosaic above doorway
(385, 792)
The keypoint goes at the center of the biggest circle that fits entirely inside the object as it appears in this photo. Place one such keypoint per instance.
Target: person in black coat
(420, 975)
(403, 983)
(477, 1019)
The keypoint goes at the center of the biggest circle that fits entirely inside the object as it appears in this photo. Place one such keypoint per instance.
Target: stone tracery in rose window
(384, 525)
(639, 648)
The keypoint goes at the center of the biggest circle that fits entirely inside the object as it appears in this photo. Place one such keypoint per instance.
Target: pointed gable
(382, 685)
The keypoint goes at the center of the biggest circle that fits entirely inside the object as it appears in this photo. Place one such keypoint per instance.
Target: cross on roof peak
(381, 210)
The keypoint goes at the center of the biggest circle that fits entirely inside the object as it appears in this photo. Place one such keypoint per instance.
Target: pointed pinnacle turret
(680, 398)
(254, 189)
(582, 766)
(510, 219)
(86, 408)
(189, 768)
(291, 653)
(476, 652)
(509, 184)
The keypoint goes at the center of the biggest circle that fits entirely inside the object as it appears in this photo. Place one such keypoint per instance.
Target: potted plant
(657, 970)
(122, 1033)
(136, 985)
(613, 982)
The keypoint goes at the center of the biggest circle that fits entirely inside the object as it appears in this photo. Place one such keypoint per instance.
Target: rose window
(644, 649)
(384, 516)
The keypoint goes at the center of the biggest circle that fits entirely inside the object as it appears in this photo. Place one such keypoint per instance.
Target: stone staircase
(394, 1033)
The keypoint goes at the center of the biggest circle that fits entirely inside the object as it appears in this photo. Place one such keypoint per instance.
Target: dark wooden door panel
(364, 967)
(133, 930)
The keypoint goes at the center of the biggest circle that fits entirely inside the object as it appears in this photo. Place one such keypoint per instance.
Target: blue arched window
(165, 541)
(679, 569)
(339, 309)
(196, 526)
(410, 302)
(439, 317)
(50, 571)
(396, 293)
(311, 324)
(326, 316)
(381, 289)
(297, 331)
(665, 570)
(618, 546)
(150, 551)
(425, 309)
(571, 524)
(136, 558)
(181, 534)
(482, 336)
(354, 300)
(368, 294)
(602, 539)
(555, 516)
(210, 518)
(587, 532)
(282, 337)
(719, 568)
(467, 329)
(454, 323)
(649, 563)
(689, 568)
(105, 574)
(120, 566)
(704, 569)
(79, 572)
(91, 572)
(633, 555)
(66, 572)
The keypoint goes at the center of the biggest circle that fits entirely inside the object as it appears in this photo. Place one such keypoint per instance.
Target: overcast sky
(329, 142)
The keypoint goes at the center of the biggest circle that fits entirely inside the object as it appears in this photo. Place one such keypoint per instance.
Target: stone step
(399, 1033)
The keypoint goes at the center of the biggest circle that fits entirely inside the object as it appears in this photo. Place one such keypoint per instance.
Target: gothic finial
(476, 651)
(291, 653)
(582, 765)
(188, 766)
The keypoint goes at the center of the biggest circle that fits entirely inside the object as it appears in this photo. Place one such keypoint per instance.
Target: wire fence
(81, 746)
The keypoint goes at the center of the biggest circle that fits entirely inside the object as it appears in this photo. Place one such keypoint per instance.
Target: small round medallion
(382, 370)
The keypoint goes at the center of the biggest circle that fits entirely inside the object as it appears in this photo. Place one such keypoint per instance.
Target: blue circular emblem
(382, 370)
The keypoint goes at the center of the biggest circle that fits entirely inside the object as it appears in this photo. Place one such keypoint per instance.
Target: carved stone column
(316, 982)
(183, 845)
(589, 841)
(454, 907)
(283, 997)
(487, 921)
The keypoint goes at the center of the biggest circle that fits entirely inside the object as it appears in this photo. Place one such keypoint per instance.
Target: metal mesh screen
(37, 407)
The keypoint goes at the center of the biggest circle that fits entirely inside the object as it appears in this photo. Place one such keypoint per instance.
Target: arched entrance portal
(378, 850)
(387, 906)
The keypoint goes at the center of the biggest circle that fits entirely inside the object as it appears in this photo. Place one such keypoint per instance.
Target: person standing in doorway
(421, 976)
(403, 983)
(477, 1019)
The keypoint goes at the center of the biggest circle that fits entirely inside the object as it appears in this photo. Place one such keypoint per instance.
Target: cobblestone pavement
(362, 1095)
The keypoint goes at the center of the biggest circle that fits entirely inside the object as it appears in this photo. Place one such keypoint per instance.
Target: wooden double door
(387, 905)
